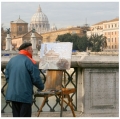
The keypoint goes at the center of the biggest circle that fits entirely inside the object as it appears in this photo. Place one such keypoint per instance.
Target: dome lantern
(39, 9)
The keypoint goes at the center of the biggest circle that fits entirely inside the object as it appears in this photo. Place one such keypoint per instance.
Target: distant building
(39, 22)
(21, 32)
(18, 27)
(52, 35)
(53, 28)
(16, 42)
(110, 29)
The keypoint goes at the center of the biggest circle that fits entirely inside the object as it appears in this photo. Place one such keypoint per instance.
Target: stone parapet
(105, 53)
(99, 61)
(97, 83)
(78, 60)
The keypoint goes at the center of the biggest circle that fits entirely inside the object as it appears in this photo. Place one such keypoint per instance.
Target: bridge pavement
(48, 114)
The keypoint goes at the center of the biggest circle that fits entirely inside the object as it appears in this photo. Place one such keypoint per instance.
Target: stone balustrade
(97, 83)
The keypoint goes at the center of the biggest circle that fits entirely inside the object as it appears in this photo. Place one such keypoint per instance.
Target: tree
(64, 37)
(97, 42)
(82, 43)
(79, 43)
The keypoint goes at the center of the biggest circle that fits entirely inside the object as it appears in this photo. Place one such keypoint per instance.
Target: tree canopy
(95, 43)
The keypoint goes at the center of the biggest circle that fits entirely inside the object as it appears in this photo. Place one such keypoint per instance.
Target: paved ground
(65, 114)
(47, 114)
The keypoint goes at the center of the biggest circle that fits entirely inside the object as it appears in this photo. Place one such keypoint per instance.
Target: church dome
(39, 22)
(53, 28)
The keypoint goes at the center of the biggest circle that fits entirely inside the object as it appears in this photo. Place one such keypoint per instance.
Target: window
(73, 32)
(112, 46)
(105, 26)
(112, 39)
(108, 39)
(20, 28)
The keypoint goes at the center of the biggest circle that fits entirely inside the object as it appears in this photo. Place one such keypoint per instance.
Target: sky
(61, 14)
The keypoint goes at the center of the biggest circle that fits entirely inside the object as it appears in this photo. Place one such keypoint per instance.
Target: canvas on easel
(55, 56)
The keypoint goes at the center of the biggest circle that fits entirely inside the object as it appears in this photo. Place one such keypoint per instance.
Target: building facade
(52, 35)
(18, 27)
(16, 42)
(110, 29)
(19, 34)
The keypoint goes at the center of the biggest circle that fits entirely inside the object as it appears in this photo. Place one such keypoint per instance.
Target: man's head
(27, 47)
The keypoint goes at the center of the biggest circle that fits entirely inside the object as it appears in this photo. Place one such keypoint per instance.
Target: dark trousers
(20, 109)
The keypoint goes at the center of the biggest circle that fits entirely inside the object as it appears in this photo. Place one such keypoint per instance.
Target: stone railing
(97, 83)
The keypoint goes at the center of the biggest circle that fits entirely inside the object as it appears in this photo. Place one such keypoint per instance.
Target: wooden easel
(53, 86)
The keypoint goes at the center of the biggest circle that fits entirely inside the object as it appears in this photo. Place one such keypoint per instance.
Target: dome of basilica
(39, 22)
(53, 28)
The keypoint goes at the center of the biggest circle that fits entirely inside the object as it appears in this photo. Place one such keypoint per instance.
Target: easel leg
(70, 104)
(43, 103)
(61, 105)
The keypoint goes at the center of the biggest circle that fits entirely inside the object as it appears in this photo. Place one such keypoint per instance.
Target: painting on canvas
(55, 55)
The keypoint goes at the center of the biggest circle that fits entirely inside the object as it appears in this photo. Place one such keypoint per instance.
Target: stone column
(33, 41)
(8, 42)
(11, 46)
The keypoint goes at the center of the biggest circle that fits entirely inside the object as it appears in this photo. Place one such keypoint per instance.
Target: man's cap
(24, 45)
